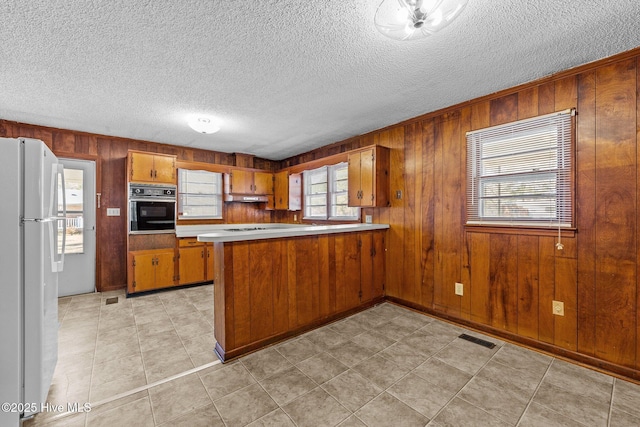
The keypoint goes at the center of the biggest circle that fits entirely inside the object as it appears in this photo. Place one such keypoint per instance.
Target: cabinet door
(210, 265)
(366, 267)
(281, 190)
(141, 167)
(263, 183)
(367, 178)
(295, 192)
(354, 179)
(191, 264)
(164, 169)
(143, 272)
(241, 181)
(379, 263)
(165, 269)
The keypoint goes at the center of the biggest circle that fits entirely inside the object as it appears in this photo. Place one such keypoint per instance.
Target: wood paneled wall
(510, 279)
(110, 154)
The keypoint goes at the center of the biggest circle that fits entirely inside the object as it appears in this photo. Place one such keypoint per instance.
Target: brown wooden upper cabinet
(242, 181)
(154, 168)
(369, 177)
(288, 191)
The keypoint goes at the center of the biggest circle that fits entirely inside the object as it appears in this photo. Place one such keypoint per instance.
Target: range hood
(246, 198)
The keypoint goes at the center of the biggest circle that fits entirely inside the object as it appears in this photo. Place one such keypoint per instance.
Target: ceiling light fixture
(415, 19)
(203, 125)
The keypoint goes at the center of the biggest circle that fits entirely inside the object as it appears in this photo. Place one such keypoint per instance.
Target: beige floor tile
(117, 368)
(352, 390)
(265, 363)
(112, 404)
(287, 385)
(136, 413)
(626, 397)
(110, 349)
(177, 398)
(420, 395)
(206, 416)
(277, 418)
(579, 380)
(443, 376)
(161, 340)
(538, 415)
(380, 371)
(351, 353)
(386, 410)
(119, 385)
(322, 367)
(125, 347)
(245, 405)
(461, 413)
(572, 404)
(502, 399)
(226, 380)
(48, 420)
(297, 350)
(316, 409)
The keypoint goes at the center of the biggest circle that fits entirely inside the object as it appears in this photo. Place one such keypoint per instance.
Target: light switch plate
(113, 211)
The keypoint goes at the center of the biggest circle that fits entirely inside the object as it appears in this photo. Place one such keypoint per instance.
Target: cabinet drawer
(186, 242)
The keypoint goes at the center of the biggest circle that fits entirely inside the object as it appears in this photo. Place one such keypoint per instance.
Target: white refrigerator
(31, 255)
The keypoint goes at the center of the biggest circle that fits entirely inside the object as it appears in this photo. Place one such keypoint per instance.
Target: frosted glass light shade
(203, 125)
(415, 19)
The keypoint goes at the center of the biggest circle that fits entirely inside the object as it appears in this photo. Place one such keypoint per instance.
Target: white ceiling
(283, 76)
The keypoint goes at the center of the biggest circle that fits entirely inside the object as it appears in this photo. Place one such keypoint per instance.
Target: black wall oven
(152, 208)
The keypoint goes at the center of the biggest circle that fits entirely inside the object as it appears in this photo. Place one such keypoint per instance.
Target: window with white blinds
(520, 173)
(199, 194)
(316, 189)
(326, 194)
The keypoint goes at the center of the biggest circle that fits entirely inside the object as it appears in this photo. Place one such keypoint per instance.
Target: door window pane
(73, 179)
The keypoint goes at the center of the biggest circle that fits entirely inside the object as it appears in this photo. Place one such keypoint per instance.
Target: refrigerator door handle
(57, 181)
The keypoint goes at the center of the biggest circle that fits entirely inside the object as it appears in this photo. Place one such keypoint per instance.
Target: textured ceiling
(283, 76)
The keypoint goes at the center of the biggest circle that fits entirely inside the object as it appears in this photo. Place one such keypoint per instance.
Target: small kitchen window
(520, 173)
(199, 194)
(326, 195)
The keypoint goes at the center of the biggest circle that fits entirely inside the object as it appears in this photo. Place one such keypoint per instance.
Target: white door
(79, 274)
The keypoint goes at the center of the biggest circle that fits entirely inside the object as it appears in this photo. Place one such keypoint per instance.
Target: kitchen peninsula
(273, 281)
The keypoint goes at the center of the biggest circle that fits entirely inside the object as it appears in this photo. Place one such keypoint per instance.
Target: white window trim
(216, 196)
(329, 173)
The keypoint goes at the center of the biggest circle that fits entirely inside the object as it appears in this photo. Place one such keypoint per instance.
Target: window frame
(563, 174)
(329, 172)
(216, 195)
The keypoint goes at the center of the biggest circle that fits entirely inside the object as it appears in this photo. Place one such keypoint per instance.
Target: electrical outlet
(459, 289)
(558, 308)
(368, 219)
(295, 218)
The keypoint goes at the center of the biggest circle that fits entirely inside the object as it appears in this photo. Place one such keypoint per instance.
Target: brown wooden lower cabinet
(193, 261)
(267, 290)
(150, 269)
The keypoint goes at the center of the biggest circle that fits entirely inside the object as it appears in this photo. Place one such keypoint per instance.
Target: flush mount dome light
(203, 125)
(415, 19)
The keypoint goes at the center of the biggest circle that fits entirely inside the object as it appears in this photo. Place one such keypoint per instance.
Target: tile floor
(387, 366)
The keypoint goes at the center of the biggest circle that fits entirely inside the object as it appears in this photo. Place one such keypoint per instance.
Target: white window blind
(339, 190)
(315, 193)
(520, 173)
(199, 194)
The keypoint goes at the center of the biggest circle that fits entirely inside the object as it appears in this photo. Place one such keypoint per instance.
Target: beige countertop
(243, 232)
